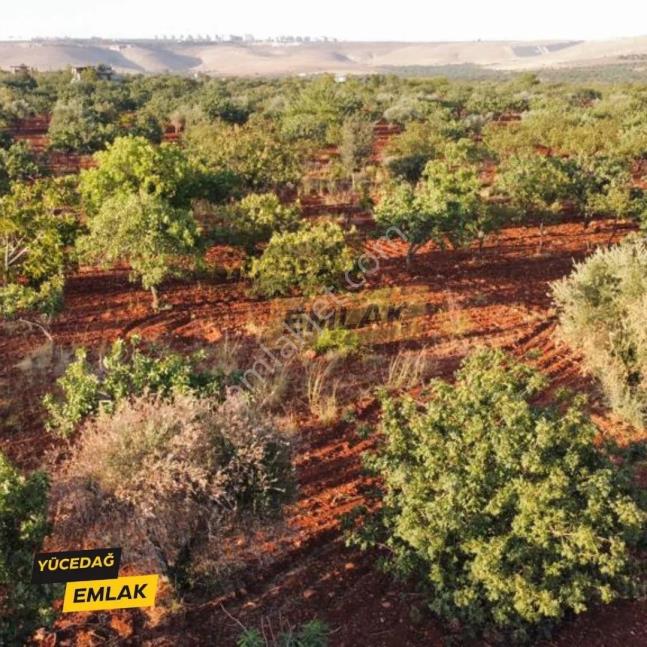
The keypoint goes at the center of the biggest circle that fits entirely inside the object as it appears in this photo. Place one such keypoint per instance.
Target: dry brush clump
(165, 476)
(603, 310)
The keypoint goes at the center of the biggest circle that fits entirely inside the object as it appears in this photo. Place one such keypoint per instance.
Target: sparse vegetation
(339, 341)
(126, 370)
(312, 634)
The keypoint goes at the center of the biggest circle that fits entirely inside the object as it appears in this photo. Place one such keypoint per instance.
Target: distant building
(21, 70)
(102, 72)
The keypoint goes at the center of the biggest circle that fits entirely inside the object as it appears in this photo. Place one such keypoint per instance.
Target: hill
(269, 58)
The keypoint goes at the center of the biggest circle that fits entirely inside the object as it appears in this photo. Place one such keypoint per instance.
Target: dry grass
(454, 321)
(271, 391)
(408, 370)
(226, 355)
(321, 391)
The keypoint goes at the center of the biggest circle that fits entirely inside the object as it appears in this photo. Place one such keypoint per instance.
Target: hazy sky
(425, 20)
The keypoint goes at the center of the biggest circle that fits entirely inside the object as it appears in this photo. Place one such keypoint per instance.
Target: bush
(505, 512)
(23, 526)
(313, 258)
(312, 634)
(125, 371)
(602, 311)
(254, 219)
(340, 341)
(169, 474)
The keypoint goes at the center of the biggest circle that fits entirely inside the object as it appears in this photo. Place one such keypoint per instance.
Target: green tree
(17, 164)
(317, 112)
(536, 186)
(504, 511)
(446, 206)
(133, 164)
(254, 153)
(23, 526)
(356, 143)
(254, 220)
(77, 127)
(217, 103)
(146, 232)
(37, 226)
(313, 258)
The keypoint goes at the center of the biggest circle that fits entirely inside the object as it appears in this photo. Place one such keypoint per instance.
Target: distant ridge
(263, 58)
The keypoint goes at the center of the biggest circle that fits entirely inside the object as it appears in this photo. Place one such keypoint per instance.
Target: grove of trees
(494, 494)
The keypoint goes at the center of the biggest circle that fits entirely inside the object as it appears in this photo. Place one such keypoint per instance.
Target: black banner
(76, 566)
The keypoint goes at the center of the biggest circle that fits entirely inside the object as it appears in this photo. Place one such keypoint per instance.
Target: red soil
(499, 298)
(306, 571)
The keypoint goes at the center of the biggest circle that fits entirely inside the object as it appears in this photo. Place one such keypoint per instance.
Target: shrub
(254, 219)
(602, 311)
(125, 371)
(312, 634)
(504, 511)
(313, 258)
(177, 471)
(340, 341)
(23, 526)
